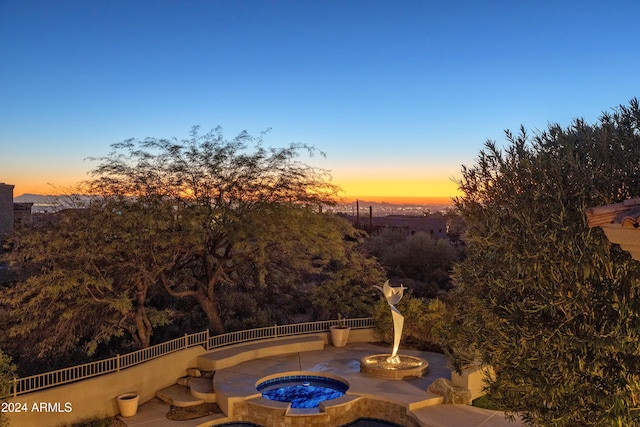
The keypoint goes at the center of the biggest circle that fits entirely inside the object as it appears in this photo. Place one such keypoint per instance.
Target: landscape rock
(451, 394)
(194, 372)
(185, 381)
(441, 386)
(458, 396)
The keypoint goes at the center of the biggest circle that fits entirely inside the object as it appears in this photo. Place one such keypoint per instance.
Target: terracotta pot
(339, 335)
(128, 404)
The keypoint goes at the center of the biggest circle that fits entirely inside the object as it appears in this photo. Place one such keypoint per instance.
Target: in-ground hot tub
(360, 422)
(304, 390)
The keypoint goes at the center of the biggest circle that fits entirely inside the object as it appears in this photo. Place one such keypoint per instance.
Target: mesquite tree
(225, 225)
(235, 206)
(548, 302)
(88, 274)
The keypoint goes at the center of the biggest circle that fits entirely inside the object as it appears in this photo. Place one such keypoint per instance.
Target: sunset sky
(399, 94)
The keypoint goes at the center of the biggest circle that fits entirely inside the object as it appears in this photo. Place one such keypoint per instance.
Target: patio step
(178, 395)
(226, 357)
(202, 388)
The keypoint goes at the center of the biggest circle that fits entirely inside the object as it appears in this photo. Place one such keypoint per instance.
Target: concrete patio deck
(239, 381)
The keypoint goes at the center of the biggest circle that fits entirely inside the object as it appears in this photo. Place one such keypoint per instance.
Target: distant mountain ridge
(31, 198)
(50, 203)
(41, 198)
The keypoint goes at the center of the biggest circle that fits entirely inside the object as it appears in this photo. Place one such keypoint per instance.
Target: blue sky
(399, 94)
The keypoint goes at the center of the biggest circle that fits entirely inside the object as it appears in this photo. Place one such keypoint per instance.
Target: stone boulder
(194, 372)
(451, 394)
(185, 381)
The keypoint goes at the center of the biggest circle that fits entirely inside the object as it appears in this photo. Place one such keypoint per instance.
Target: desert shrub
(421, 318)
(348, 290)
(426, 262)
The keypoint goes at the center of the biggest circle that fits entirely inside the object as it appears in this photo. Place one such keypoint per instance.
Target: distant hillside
(32, 198)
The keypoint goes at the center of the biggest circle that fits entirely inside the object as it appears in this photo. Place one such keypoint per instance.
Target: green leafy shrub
(420, 262)
(349, 289)
(421, 320)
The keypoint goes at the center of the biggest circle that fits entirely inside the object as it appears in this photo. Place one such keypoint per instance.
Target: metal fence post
(206, 343)
(118, 362)
(15, 386)
(186, 341)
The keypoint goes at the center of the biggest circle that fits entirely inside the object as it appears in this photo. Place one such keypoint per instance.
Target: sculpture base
(407, 366)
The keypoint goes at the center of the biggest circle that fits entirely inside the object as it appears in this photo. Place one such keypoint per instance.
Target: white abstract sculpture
(393, 296)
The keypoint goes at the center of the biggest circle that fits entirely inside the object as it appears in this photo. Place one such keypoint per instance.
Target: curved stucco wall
(97, 396)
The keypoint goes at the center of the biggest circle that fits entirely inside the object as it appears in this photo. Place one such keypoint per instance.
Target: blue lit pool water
(371, 422)
(361, 422)
(303, 391)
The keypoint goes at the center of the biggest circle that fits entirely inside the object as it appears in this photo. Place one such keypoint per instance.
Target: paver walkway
(240, 380)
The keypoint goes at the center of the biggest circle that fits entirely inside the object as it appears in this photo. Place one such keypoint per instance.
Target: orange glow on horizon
(403, 191)
(400, 200)
(45, 180)
(43, 189)
(396, 191)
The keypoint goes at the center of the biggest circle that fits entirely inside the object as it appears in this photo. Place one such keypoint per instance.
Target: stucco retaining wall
(473, 379)
(355, 335)
(95, 397)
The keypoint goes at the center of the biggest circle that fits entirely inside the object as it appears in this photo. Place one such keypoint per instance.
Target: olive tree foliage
(225, 226)
(236, 205)
(550, 304)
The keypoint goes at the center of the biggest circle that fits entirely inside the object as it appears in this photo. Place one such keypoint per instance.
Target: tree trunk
(143, 328)
(143, 325)
(212, 312)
